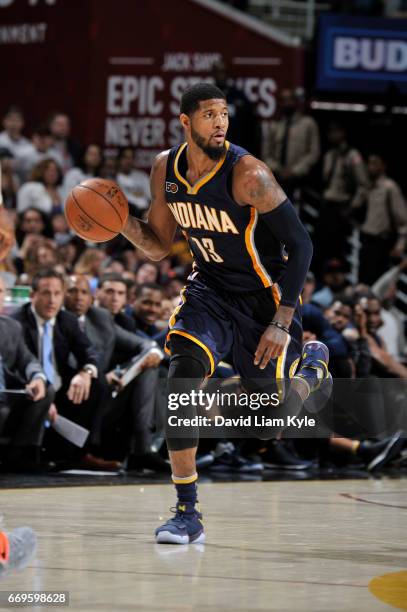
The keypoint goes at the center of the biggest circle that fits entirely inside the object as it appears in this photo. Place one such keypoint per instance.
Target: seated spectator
(9, 179)
(42, 191)
(334, 283)
(68, 358)
(167, 308)
(21, 417)
(112, 294)
(147, 272)
(41, 254)
(350, 320)
(60, 229)
(135, 184)
(317, 326)
(12, 138)
(147, 308)
(32, 222)
(174, 287)
(64, 146)
(41, 143)
(135, 401)
(392, 330)
(90, 263)
(108, 169)
(67, 254)
(32, 227)
(383, 364)
(88, 168)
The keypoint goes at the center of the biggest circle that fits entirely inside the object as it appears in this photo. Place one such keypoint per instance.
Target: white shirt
(31, 157)
(136, 188)
(34, 195)
(17, 147)
(73, 177)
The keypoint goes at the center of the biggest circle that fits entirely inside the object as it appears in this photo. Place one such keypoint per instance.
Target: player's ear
(185, 121)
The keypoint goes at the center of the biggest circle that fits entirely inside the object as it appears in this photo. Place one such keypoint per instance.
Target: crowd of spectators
(90, 311)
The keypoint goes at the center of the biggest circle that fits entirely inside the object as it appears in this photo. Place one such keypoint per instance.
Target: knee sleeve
(188, 360)
(189, 365)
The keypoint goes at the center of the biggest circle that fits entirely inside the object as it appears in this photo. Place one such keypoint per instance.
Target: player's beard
(214, 153)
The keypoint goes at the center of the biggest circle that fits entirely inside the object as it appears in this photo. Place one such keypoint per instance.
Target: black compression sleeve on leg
(189, 365)
(286, 227)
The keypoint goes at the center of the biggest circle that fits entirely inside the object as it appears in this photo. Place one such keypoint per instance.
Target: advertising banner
(361, 54)
(119, 68)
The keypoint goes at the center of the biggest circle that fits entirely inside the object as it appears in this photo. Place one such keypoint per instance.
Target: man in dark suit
(54, 336)
(21, 416)
(112, 294)
(135, 400)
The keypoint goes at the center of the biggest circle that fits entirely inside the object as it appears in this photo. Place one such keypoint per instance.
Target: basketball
(96, 209)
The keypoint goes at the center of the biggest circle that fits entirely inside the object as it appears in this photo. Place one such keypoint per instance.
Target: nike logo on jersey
(199, 216)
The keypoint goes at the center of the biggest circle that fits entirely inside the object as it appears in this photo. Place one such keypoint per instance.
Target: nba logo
(171, 187)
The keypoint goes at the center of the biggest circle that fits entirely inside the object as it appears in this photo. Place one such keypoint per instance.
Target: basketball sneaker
(378, 454)
(17, 548)
(313, 370)
(227, 458)
(185, 527)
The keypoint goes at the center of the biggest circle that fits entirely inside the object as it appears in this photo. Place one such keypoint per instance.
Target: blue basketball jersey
(231, 246)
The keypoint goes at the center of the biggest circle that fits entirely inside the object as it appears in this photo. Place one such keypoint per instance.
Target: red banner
(119, 67)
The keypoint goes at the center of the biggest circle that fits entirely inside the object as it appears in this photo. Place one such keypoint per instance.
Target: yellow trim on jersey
(276, 293)
(251, 247)
(198, 342)
(280, 370)
(193, 189)
(171, 321)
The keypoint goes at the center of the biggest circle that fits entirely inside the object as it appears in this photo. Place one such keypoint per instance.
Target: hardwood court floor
(284, 546)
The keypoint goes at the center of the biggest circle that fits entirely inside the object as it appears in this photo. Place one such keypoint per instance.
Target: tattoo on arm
(143, 237)
(263, 191)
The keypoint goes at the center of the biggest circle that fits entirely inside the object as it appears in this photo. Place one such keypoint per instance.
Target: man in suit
(136, 400)
(54, 336)
(17, 547)
(112, 294)
(21, 416)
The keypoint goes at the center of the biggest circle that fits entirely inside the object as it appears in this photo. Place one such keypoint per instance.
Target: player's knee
(188, 360)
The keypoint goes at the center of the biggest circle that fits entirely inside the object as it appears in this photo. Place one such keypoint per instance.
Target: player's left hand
(271, 346)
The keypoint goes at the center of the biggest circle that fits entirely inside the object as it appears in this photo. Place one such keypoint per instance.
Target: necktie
(47, 362)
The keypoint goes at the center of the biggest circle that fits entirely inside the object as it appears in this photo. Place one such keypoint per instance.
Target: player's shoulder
(161, 159)
(159, 165)
(252, 178)
(248, 165)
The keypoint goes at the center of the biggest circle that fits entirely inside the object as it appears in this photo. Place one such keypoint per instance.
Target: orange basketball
(96, 209)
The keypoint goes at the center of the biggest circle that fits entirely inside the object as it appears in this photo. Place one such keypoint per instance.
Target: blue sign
(361, 54)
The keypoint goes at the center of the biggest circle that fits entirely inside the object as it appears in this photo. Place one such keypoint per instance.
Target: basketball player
(243, 293)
